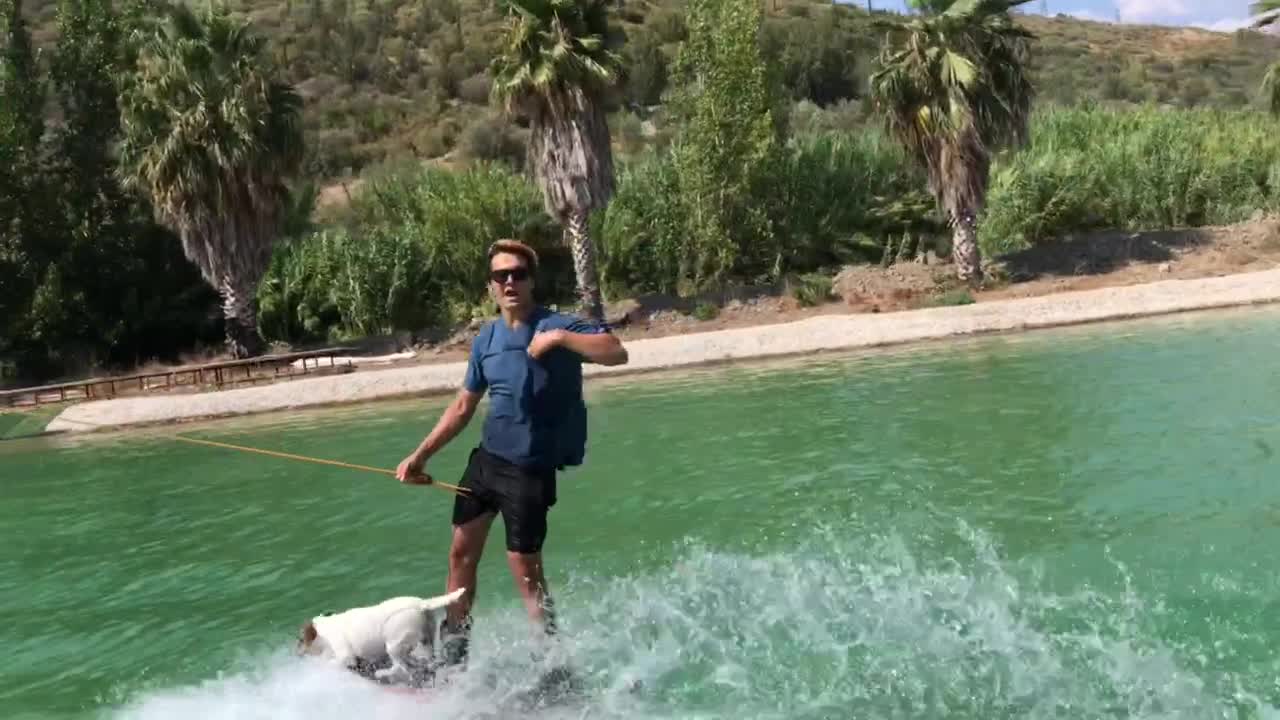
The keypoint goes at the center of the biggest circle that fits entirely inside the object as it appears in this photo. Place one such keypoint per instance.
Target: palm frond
(211, 137)
(554, 69)
(958, 70)
(979, 8)
(1267, 10)
(1264, 6)
(953, 87)
(554, 45)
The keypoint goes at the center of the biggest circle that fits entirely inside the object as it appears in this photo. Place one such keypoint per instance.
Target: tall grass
(409, 255)
(839, 194)
(642, 232)
(1090, 168)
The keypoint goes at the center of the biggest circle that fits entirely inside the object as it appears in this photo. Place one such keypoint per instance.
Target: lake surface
(1073, 524)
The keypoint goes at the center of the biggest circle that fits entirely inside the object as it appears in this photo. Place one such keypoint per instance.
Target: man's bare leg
(464, 559)
(526, 570)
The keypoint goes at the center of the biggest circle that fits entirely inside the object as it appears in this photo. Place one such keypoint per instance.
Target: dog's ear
(306, 636)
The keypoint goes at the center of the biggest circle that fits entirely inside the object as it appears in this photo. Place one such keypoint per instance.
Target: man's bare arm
(454, 418)
(600, 348)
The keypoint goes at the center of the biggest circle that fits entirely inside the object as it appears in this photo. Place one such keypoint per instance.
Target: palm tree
(210, 135)
(554, 72)
(954, 88)
(1266, 9)
(929, 7)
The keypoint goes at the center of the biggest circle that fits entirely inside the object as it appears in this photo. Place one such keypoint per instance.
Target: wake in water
(869, 626)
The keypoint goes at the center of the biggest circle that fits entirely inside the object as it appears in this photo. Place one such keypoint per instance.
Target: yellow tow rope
(350, 466)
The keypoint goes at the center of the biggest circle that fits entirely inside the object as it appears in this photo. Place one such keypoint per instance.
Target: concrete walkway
(829, 332)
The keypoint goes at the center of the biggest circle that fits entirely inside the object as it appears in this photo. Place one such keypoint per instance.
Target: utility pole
(1044, 8)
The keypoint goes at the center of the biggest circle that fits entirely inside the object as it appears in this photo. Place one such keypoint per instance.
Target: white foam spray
(849, 624)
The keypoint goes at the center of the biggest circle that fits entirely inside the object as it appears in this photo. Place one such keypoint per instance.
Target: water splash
(849, 624)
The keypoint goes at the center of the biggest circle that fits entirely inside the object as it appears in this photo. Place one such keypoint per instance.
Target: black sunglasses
(516, 274)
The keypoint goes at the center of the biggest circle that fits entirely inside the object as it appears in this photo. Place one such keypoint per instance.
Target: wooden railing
(264, 368)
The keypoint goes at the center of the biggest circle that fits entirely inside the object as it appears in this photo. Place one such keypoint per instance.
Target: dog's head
(307, 636)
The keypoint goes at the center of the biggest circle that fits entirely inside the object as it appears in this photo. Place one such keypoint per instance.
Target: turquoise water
(1074, 523)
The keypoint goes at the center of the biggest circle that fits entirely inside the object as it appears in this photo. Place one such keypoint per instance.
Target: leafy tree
(210, 136)
(87, 278)
(93, 206)
(646, 69)
(953, 88)
(554, 71)
(111, 306)
(24, 92)
(729, 146)
(24, 214)
(69, 317)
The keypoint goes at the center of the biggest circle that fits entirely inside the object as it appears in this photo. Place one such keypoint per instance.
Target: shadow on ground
(1100, 252)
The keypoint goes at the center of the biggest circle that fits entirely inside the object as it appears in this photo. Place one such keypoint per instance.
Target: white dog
(388, 638)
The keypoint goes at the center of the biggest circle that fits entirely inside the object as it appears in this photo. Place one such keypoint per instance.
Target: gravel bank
(833, 332)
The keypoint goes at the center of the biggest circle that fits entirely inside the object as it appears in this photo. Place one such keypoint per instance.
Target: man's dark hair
(515, 247)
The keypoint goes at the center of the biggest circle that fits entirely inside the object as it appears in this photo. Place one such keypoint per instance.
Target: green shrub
(812, 289)
(491, 137)
(475, 89)
(951, 298)
(628, 132)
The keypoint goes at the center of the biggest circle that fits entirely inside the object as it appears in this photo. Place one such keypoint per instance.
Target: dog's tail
(442, 601)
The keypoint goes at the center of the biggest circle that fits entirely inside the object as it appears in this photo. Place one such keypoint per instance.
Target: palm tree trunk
(240, 320)
(964, 248)
(584, 266)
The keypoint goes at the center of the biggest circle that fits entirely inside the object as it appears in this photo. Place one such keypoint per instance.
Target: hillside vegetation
(1130, 128)
(389, 78)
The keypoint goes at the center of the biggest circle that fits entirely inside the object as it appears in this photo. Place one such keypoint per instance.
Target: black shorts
(523, 496)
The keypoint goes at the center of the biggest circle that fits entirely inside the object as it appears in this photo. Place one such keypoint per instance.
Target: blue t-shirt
(537, 417)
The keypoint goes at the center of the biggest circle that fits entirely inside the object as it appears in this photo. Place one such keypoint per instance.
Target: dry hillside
(393, 78)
